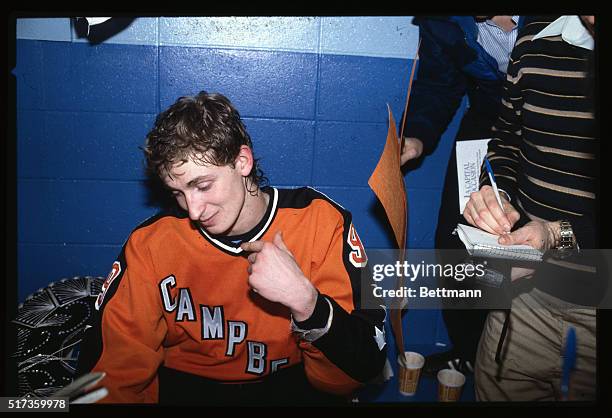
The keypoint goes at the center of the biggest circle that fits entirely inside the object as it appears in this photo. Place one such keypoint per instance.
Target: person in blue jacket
(459, 55)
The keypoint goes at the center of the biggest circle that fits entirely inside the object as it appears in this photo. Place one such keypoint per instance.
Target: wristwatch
(566, 239)
(312, 335)
(567, 244)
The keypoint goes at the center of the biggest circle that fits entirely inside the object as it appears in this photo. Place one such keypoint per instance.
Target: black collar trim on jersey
(253, 235)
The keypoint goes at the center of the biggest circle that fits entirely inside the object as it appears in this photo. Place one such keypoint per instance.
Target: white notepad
(482, 244)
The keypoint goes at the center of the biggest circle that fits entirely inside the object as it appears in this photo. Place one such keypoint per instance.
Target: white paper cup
(410, 365)
(450, 384)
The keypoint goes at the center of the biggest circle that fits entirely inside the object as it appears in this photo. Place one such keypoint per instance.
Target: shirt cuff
(323, 311)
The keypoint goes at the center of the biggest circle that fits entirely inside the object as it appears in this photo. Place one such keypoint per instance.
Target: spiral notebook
(482, 244)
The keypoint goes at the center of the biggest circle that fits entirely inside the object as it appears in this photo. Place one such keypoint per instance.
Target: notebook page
(481, 243)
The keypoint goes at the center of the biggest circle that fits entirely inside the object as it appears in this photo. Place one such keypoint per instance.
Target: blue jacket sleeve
(439, 85)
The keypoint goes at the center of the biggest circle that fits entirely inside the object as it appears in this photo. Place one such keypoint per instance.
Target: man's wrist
(553, 229)
(319, 322)
(302, 309)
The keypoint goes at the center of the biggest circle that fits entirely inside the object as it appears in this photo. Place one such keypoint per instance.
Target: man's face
(213, 196)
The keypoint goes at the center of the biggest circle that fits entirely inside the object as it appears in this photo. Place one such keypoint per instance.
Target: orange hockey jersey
(178, 297)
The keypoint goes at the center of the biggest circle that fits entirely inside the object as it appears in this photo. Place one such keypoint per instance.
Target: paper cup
(410, 365)
(450, 384)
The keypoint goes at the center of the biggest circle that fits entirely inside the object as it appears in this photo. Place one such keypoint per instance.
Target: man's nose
(195, 207)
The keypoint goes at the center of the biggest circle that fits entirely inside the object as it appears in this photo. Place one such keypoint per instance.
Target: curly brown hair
(206, 128)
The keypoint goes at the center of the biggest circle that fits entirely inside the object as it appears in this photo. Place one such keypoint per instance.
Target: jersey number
(357, 256)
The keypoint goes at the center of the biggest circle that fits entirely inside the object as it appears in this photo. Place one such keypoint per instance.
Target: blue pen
(493, 183)
(569, 361)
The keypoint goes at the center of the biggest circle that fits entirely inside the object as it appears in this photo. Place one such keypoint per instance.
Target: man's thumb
(516, 237)
(278, 241)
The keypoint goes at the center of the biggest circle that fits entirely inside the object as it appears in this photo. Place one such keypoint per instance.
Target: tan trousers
(532, 354)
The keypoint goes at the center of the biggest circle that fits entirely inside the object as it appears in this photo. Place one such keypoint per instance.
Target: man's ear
(244, 160)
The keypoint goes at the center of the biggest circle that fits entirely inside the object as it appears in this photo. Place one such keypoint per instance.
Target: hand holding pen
(489, 211)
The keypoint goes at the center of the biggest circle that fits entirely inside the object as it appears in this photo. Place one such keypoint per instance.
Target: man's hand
(413, 148)
(275, 275)
(483, 211)
(538, 234)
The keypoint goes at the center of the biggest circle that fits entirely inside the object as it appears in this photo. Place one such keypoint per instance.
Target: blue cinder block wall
(313, 92)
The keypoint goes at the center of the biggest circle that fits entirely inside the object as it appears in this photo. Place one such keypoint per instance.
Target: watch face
(566, 239)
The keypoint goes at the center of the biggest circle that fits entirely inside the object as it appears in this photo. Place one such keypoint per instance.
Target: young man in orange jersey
(243, 294)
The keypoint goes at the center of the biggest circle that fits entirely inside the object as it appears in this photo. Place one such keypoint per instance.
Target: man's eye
(203, 188)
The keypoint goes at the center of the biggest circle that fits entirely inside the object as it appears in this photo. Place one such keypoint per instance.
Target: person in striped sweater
(459, 56)
(544, 153)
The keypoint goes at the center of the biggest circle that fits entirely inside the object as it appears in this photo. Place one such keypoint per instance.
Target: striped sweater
(544, 149)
